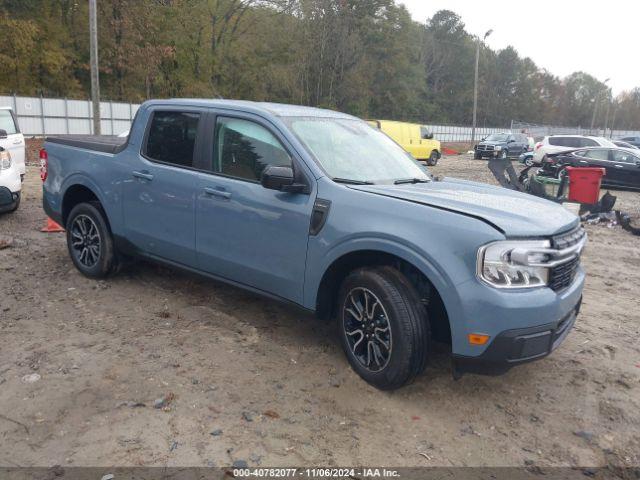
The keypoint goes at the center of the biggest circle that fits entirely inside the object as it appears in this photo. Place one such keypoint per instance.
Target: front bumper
(488, 153)
(517, 346)
(8, 199)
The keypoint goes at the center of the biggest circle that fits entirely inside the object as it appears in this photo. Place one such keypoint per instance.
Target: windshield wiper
(351, 181)
(411, 180)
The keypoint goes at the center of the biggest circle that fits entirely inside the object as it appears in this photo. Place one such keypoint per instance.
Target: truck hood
(492, 143)
(515, 214)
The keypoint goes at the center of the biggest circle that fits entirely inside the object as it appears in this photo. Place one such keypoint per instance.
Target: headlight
(497, 148)
(5, 160)
(514, 264)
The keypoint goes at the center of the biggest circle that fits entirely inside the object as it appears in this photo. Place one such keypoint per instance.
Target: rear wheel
(433, 159)
(90, 242)
(384, 328)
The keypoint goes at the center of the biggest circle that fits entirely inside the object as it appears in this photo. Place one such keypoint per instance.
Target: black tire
(16, 204)
(90, 242)
(432, 161)
(400, 312)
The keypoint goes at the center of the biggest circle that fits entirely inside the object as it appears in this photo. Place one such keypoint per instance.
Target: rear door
(598, 157)
(624, 169)
(159, 195)
(245, 232)
(14, 142)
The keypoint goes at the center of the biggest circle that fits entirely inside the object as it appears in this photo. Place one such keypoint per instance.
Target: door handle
(619, 166)
(17, 142)
(143, 175)
(214, 192)
(583, 161)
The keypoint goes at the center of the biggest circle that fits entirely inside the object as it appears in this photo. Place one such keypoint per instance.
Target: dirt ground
(84, 363)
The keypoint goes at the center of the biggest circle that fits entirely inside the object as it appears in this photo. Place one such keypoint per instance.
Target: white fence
(53, 116)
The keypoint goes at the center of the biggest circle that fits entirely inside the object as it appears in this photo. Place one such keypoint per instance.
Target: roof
(276, 109)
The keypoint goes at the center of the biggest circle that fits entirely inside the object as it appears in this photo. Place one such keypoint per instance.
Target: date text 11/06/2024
(315, 472)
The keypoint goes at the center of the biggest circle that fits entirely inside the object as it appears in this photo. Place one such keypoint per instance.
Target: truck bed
(98, 143)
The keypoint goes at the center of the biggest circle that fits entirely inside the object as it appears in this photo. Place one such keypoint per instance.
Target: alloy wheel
(366, 327)
(85, 240)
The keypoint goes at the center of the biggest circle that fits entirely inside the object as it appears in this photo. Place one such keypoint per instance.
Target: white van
(12, 140)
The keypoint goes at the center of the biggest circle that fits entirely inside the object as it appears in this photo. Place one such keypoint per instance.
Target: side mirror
(281, 178)
(428, 136)
(511, 141)
(3, 133)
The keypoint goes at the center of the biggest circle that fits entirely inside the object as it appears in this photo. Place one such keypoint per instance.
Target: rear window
(7, 123)
(172, 137)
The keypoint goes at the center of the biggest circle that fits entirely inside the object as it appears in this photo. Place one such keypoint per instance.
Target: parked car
(635, 141)
(621, 144)
(318, 209)
(501, 145)
(566, 143)
(10, 184)
(622, 165)
(526, 158)
(415, 139)
(12, 140)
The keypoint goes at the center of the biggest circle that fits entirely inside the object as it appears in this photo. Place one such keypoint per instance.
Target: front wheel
(384, 329)
(89, 241)
(433, 159)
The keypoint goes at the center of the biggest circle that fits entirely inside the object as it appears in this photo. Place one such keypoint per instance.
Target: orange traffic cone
(51, 227)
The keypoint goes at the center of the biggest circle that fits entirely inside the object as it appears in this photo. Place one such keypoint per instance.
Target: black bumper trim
(517, 346)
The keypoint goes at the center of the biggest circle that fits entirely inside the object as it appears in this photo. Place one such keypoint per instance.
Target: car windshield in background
(351, 150)
(497, 137)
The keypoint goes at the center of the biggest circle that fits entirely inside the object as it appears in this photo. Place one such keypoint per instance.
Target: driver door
(245, 232)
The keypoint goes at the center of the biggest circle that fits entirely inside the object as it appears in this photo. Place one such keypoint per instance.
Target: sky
(562, 36)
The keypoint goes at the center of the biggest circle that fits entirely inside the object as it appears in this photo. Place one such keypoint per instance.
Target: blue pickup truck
(316, 208)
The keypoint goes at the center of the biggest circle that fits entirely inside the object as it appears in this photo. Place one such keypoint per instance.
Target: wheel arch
(80, 192)
(428, 290)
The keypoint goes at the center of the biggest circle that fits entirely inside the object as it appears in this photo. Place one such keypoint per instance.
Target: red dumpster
(584, 184)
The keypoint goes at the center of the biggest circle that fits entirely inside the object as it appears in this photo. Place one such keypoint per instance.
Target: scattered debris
(131, 404)
(108, 476)
(425, 455)
(216, 433)
(247, 416)
(588, 436)
(240, 464)
(31, 378)
(173, 446)
(607, 218)
(625, 221)
(271, 414)
(5, 242)
(164, 402)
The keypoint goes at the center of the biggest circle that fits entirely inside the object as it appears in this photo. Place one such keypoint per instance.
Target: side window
(7, 123)
(559, 141)
(172, 137)
(624, 157)
(587, 142)
(579, 153)
(597, 154)
(243, 149)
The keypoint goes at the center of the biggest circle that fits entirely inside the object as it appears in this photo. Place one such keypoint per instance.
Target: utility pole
(606, 117)
(475, 86)
(93, 57)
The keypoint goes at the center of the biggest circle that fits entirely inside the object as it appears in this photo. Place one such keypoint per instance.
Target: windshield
(497, 137)
(353, 150)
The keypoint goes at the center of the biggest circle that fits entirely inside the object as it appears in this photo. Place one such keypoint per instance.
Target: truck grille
(485, 148)
(567, 239)
(562, 276)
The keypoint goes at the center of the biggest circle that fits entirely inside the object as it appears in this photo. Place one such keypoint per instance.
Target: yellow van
(414, 138)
